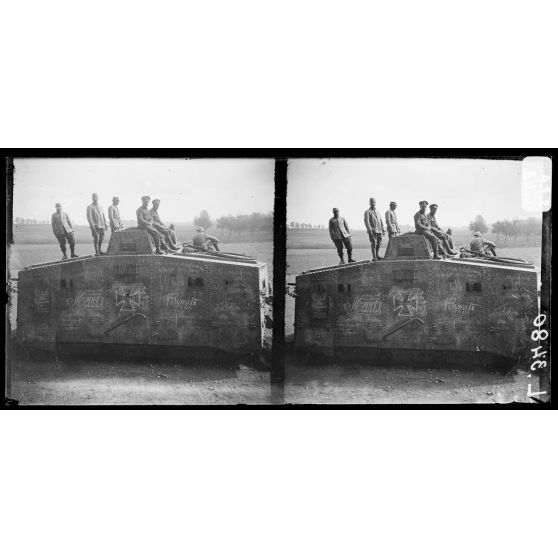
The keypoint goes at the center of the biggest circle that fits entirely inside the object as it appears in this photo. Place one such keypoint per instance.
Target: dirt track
(99, 383)
(358, 383)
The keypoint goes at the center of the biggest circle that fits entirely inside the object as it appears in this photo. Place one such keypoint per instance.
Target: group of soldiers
(425, 224)
(164, 238)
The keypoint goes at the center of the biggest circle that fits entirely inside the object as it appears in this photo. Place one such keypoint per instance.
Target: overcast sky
(462, 188)
(186, 187)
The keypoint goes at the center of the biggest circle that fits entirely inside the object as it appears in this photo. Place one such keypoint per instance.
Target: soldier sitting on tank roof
(63, 231)
(145, 222)
(479, 244)
(437, 231)
(422, 226)
(204, 241)
(160, 226)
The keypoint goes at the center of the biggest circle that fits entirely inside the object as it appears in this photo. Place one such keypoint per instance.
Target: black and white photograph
(416, 281)
(278, 279)
(140, 281)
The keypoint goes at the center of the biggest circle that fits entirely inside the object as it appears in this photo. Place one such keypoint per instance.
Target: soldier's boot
(73, 252)
(374, 258)
(378, 253)
(96, 249)
(448, 249)
(350, 256)
(101, 253)
(435, 255)
(64, 255)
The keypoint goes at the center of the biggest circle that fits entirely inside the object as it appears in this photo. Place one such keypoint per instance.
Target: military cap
(156, 200)
(423, 203)
(58, 205)
(392, 203)
(477, 234)
(433, 206)
(116, 198)
(335, 209)
(143, 198)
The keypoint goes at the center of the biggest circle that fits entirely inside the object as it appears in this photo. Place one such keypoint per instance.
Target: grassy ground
(42, 234)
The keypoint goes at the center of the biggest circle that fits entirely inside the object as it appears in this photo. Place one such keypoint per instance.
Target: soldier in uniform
(437, 231)
(97, 223)
(160, 226)
(479, 244)
(63, 231)
(375, 227)
(391, 220)
(145, 222)
(422, 226)
(205, 241)
(114, 216)
(340, 234)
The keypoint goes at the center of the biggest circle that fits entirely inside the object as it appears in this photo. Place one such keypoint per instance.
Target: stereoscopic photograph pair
(376, 279)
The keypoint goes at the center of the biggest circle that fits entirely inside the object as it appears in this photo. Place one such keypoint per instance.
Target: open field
(42, 234)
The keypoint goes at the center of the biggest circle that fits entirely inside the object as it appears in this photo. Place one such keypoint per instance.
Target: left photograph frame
(139, 279)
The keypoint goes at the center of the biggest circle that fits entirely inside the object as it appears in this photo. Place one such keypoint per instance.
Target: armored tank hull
(410, 308)
(134, 299)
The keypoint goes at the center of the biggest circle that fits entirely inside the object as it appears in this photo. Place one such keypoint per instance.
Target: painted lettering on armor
(364, 304)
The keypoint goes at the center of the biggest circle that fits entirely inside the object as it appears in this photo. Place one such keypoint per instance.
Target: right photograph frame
(417, 280)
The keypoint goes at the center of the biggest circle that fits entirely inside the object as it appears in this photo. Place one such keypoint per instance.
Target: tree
(479, 224)
(203, 220)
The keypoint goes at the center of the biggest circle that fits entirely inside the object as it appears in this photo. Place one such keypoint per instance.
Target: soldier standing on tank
(422, 226)
(160, 226)
(145, 222)
(391, 220)
(375, 227)
(114, 216)
(97, 223)
(437, 231)
(340, 234)
(63, 231)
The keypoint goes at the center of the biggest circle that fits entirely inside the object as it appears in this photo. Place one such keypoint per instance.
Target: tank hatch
(130, 241)
(408, 246)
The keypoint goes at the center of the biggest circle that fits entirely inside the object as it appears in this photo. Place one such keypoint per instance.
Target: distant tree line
(237, 225)
(295, 225)
(22, 221)
(509, 228)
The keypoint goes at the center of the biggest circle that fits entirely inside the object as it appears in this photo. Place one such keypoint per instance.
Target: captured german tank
(131, 297)
(412, 308)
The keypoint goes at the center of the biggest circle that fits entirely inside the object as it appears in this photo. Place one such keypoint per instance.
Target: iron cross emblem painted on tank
(128, 299)
(408, 302)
